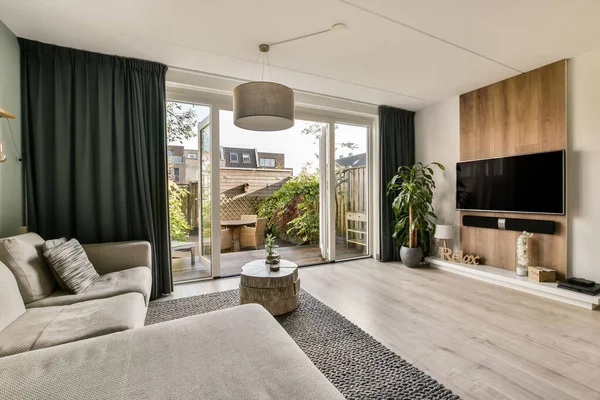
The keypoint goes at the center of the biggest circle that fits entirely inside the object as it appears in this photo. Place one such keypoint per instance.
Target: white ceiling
(404, 53)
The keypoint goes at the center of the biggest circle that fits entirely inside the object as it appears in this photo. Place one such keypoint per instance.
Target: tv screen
(532, 183)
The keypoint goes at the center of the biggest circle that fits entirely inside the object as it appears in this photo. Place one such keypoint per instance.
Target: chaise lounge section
(238, 353)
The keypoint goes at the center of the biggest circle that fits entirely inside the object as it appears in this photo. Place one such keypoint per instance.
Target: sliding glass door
(188, 134)
(308, 186)
(351, 191)
(270, 184)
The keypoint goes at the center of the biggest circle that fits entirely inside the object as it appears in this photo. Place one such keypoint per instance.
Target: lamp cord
(12, 136)
(269, 65)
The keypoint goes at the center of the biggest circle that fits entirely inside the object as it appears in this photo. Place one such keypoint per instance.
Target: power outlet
(23, 229)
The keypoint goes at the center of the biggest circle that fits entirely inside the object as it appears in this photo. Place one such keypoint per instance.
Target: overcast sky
(298, 148)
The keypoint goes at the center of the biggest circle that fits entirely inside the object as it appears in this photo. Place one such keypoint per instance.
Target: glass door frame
(220, 101)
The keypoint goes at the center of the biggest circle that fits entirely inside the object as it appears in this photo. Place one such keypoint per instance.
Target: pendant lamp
(263, 106)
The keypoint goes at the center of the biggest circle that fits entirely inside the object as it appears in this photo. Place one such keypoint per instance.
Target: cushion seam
(43, 330)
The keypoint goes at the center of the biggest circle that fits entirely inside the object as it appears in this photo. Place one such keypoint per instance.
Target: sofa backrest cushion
(23, 256)
(11, 302)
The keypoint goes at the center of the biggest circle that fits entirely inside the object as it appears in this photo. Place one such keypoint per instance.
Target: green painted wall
(10, 99)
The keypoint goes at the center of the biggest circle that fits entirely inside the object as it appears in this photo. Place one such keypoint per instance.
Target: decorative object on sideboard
(413, 213)
(510, 224)
(523, 253)
(447, 255)
(273, 256)
(444, 232)
(542, 274)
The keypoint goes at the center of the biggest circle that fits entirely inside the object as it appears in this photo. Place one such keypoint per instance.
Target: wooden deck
(231, 263)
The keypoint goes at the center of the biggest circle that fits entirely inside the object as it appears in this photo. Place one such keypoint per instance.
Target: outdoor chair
(245, 217)
(226, 239)
(253, 236)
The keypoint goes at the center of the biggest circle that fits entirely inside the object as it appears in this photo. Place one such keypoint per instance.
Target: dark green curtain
(95, 149)
(396, 148)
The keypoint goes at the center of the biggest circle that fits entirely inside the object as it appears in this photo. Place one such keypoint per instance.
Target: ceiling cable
(429, 35)
(334, 28)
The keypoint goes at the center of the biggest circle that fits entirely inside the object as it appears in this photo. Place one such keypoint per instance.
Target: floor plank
(480, 340)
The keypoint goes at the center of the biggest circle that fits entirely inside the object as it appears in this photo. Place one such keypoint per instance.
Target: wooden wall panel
(520, 115)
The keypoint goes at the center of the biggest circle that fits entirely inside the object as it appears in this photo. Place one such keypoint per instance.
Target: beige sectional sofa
(86, 348)
(116, 301)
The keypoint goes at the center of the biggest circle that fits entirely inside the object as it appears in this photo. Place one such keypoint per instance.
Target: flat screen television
(531, 183)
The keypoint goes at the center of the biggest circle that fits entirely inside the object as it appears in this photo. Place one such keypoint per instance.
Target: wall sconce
(2, 155)
(4, 114)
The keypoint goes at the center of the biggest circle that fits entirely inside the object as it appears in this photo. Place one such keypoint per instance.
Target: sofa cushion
(238, 353)
(50, 244)
(11, 302)
(23, 256)
(138, 279)
(44, 327)
(71, 264)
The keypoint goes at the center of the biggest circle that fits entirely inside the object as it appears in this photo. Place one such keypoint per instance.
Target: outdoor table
(235, 226)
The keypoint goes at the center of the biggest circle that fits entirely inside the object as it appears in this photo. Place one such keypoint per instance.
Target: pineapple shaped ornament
(273, 256)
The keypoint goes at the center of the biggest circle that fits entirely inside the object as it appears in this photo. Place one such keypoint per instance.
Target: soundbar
(510, 224)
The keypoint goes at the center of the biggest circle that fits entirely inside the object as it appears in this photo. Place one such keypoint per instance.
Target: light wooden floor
(481, 341)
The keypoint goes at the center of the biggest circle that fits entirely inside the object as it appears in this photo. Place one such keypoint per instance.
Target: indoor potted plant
(273, 256)
(413, 212)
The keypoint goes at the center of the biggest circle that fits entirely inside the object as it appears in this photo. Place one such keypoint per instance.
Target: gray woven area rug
(358, 365)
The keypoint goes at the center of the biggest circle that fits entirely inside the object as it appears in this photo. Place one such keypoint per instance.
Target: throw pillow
(50, 244)
(33, 276)
(70, 262)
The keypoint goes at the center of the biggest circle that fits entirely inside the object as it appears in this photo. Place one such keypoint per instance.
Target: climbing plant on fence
(179, 224)
(292, 212)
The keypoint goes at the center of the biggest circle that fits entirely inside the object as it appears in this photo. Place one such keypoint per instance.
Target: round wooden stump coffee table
(277, 291)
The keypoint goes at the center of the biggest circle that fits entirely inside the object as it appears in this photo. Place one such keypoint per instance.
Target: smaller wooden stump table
(277, 291)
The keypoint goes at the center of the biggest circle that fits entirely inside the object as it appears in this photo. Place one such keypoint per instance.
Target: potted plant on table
(413, 211)
(273, 256)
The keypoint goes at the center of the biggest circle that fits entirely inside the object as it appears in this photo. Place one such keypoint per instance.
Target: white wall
(583, 163)
(437, 135)
(10, 100)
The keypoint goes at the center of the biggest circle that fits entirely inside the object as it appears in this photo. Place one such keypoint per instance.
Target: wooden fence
(352, 194)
